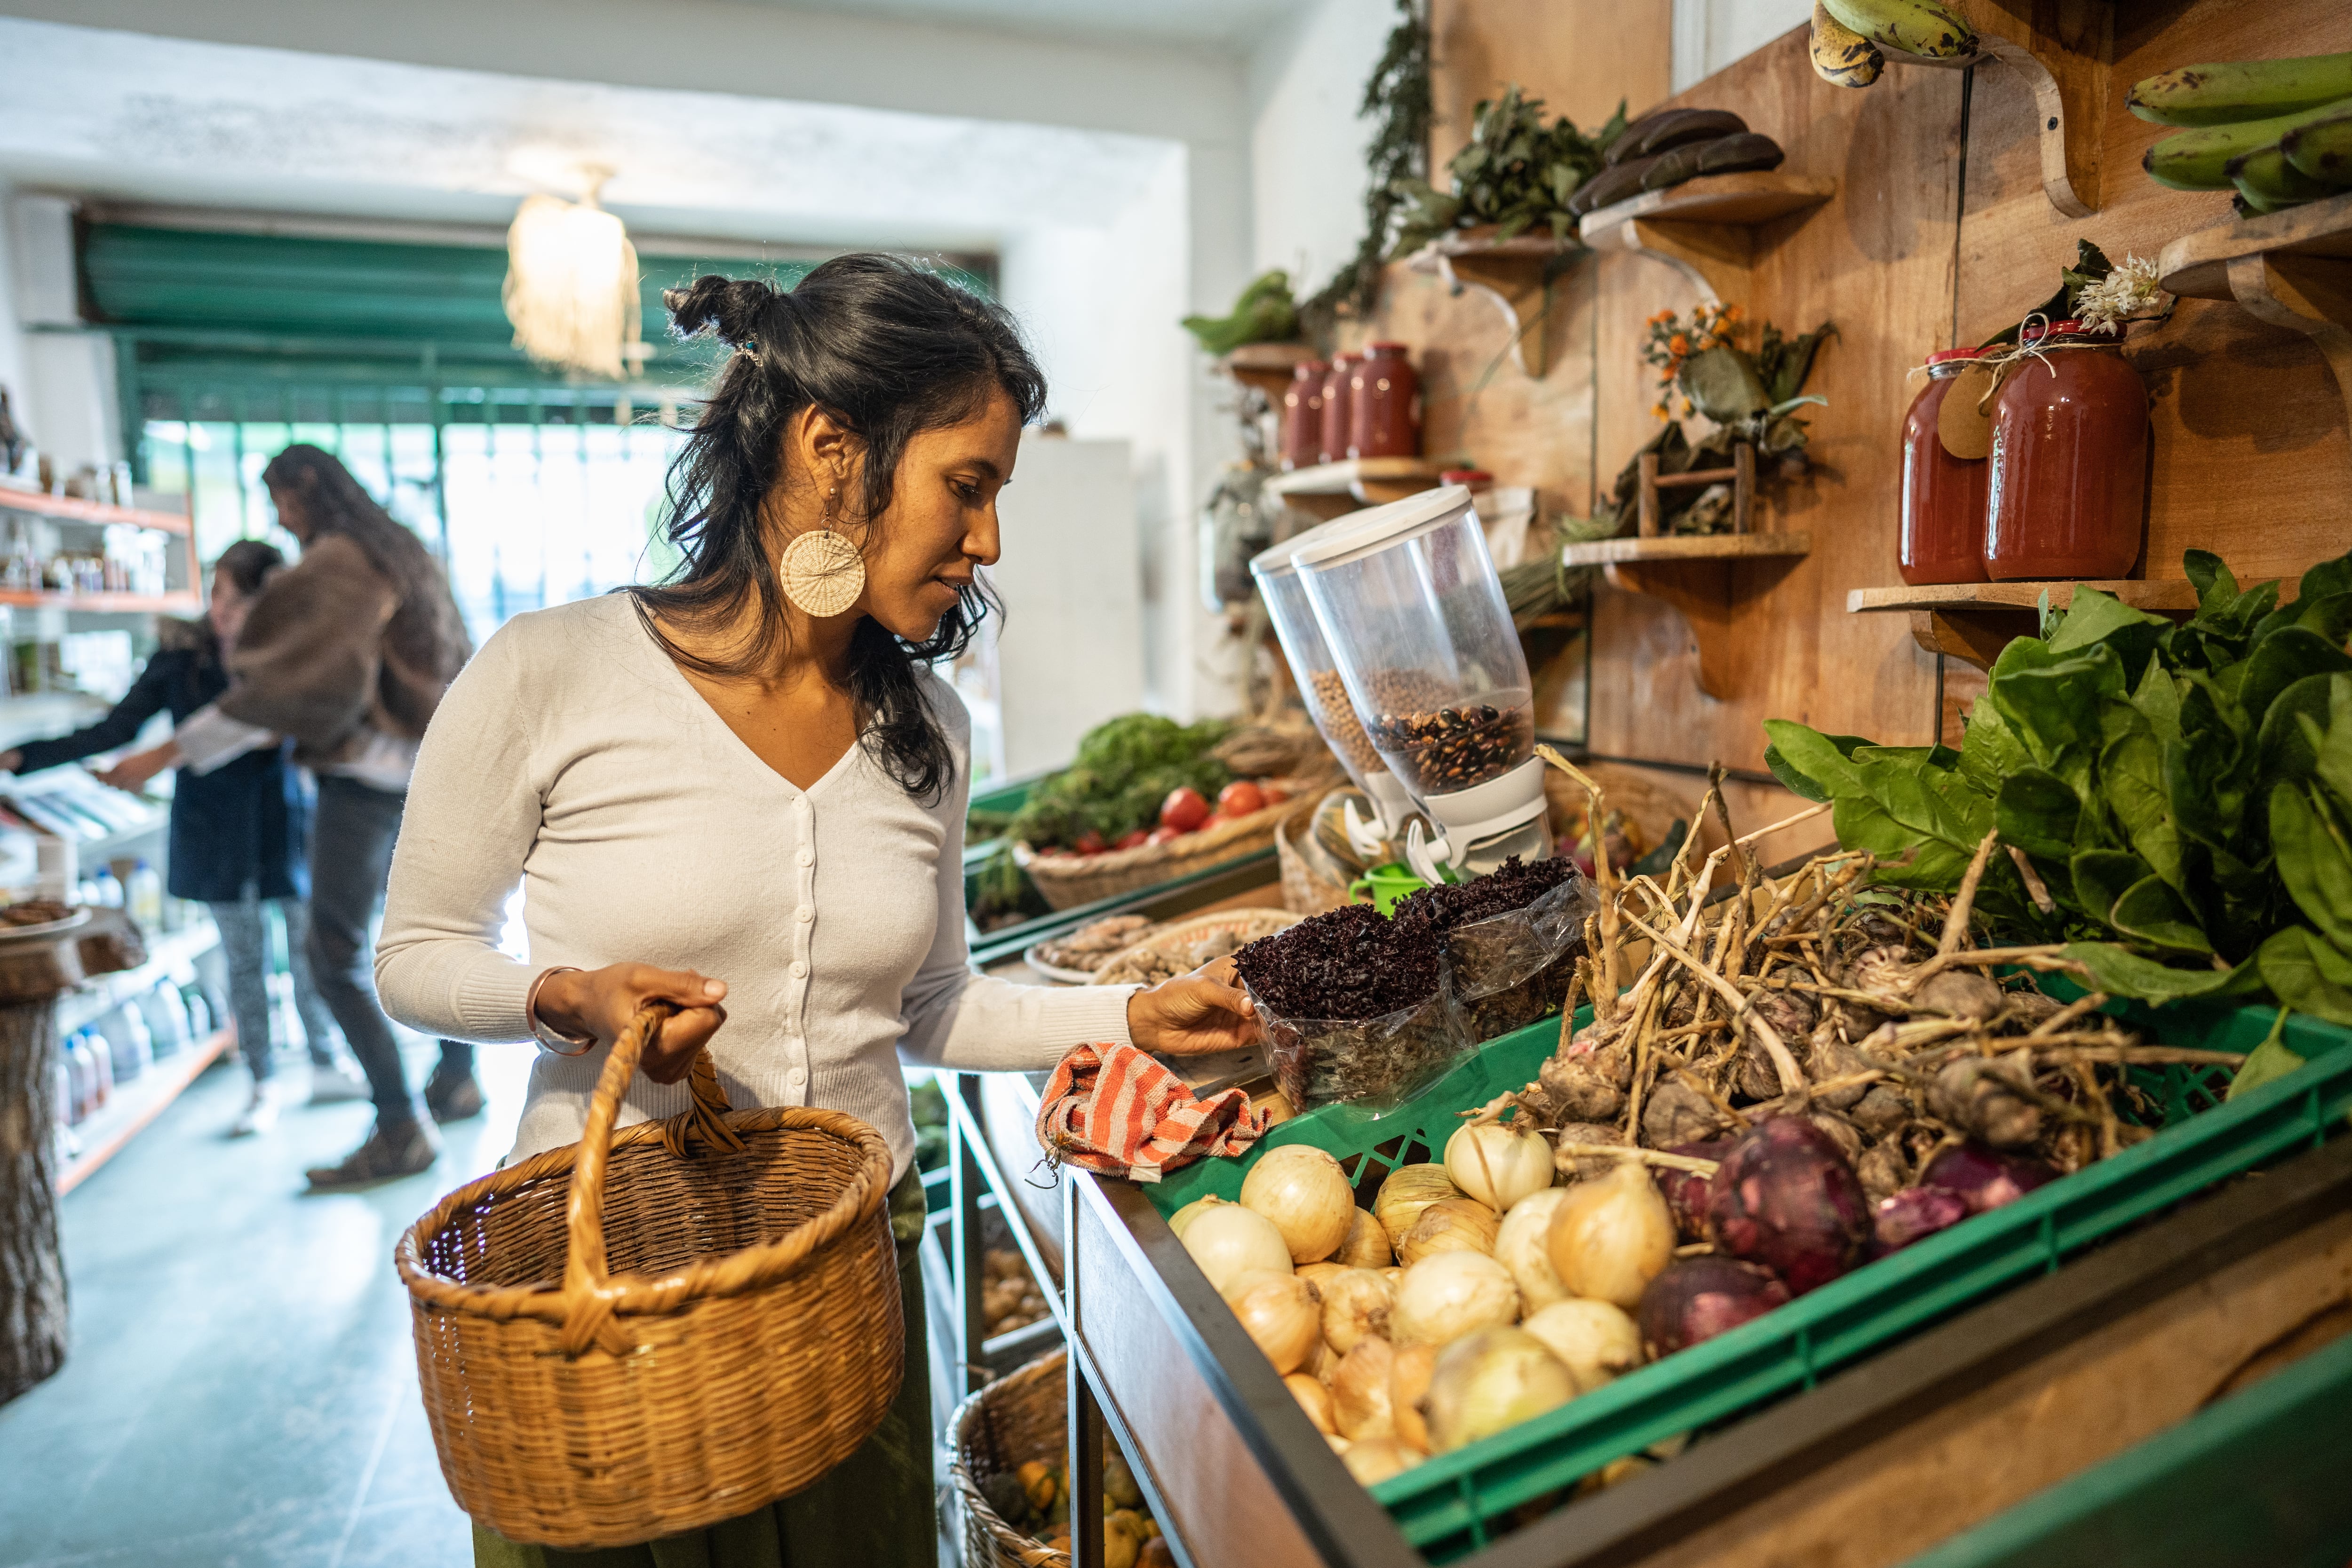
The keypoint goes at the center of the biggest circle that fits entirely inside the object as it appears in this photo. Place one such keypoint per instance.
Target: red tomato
(1183, 810)
(1090, 843)
(1214, 819)
(1129, 840)
(1274, 796)
(1163, 836)
(1239, 798)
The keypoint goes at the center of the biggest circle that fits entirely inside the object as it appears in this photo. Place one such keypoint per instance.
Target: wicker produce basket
(1069, 880)
(725, 1328)
(1305, 890)
(1021, 1416)
(1143, 962)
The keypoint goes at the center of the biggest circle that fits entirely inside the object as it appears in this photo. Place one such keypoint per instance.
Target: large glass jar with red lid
(1943, 535)
(1385, 392)
(2069, 466)
(1338, 407)
(1302, 415)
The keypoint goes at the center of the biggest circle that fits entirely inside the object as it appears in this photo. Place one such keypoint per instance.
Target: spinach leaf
(2314, 859)
(2307, 974)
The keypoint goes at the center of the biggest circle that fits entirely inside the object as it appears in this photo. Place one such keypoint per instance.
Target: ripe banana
(1842, 56)
(2265, 173)
(2323, 148)
(1914, 27)
(2232, 91)
(2198, 160)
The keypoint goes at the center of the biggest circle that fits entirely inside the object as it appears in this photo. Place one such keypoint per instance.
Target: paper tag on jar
(1964, 423)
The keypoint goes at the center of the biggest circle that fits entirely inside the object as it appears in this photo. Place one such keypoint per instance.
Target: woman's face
(291, 516)
(227, 610)
(940, 525)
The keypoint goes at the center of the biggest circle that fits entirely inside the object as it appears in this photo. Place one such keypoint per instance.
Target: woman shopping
(237, 834)
(743, 791)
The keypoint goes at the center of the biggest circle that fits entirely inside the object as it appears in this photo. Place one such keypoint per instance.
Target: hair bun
(729, 306)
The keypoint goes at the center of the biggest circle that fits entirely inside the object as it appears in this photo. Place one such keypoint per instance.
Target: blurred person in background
(237, 834)
(348, 653)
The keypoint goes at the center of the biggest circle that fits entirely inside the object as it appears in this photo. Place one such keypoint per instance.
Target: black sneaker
(453, 1096)
(386, 1156)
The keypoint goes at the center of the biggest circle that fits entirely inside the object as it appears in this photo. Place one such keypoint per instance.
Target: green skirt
(875, 1508)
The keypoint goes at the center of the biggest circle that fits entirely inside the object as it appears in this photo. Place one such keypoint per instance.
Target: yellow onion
(1317, 1274)
(1498, 1163)
(1313, 1398)
(1450, 1225)
(1367, 1245)
(1392, 1273)
(1408, 1383)
(1355, 1303)
(1230, 1240)
(1185, 1216)
(1321, 1363)
(1522, 1246)
(1375, 1460)
(1359, 1389)
(1409, 1190)
(1445, 1297)
(1305, 1193)
(1280, 1314)
(1612, 1235)
(1592, 1339)
(1339, 1444)
(1490, 1380)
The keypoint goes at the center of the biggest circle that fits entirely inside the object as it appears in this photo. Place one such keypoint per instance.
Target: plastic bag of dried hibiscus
(1354, 1006)
(1510, 941)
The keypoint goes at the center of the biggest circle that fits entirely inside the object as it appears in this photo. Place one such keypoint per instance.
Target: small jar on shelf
(1943, 520)
(1338, 407)
(1302, 415)
(1384, 404)
(2068, 480)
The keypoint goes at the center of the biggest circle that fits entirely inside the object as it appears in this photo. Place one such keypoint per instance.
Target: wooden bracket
(1973, 622)
(1705, 228)
(1703, 576)
(2292, 268)
(1515, 275)
(2066, 71)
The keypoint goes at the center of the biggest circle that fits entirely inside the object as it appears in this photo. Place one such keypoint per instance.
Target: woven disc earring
(822, 572)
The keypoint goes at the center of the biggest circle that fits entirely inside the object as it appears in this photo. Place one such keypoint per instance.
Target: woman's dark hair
(249, 562)
(333, 502)
(890, 351)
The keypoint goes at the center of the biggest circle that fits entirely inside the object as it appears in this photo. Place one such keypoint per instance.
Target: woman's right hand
(601, 1001)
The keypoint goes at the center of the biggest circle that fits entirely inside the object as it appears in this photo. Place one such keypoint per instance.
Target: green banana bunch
(1265, 313)
(2234, 91)
(1914, 27)
(2198, 160)
(1842, 56)
(2323, 148)
(2264, 176)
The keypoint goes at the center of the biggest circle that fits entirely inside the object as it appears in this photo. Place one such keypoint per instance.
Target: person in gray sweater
(743, 791)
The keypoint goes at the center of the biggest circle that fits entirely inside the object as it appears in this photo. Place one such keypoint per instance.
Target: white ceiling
(1230, 24)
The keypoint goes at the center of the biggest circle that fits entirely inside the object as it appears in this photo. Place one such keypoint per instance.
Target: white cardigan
(573, 758)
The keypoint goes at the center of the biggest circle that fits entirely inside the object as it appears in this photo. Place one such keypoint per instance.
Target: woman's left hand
(1193, 1014)
(133, 772)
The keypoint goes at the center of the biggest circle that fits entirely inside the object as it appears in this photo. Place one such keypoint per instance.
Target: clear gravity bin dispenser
(1413, 616)
(1326, 693)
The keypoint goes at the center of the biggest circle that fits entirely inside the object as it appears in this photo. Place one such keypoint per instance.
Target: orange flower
(1679, 345)
(1660, 411)
(1731, 313)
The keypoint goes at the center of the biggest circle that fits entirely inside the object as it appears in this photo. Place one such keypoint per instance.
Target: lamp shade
(571, 286)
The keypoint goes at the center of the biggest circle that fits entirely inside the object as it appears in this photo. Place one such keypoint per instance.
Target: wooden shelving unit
(1701, 576)
(1705, 228)
(113, 602)
(1266, 367)
(1974, 621)
(1332, 489)
(135, 1104)
(67, 509)
(1516, 274)
(2292, 268)
(72, 509)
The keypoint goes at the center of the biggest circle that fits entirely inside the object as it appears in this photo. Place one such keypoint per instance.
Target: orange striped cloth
(1114, 1110)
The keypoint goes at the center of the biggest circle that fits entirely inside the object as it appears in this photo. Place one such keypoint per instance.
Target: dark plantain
(1737, 154)
(1610, 186)
(1628, 143)
(1674, 167)
(1680, 127)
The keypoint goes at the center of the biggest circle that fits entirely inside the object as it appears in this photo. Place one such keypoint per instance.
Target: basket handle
(589, 1293)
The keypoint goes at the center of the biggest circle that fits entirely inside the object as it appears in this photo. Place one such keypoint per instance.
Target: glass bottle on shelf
(1302, 416)
(1384, 397)
(2069, 465)
(1943, 528)
(1338, 408)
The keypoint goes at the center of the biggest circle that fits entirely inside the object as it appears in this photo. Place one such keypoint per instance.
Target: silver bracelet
(548, 1035)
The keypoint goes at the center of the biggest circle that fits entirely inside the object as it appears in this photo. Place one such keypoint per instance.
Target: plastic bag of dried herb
(1511, 969)
(1380, 1061)
(1354, 1006)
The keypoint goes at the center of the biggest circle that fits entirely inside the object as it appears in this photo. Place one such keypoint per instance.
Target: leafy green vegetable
(1125, 767)
(2266, 1062)
(1515, 172)
(2183, 793)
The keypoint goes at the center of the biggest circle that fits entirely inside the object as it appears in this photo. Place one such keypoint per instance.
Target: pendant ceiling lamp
(571, 286)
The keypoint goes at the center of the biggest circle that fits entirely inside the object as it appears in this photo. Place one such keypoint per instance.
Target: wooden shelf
(1266, 367)
(1332, 489)
(1974, 621)
(104, 1132)
(75, 511)
(1705, 228)
(1701, 576)
(1515, 274)
(2291, 269)
(157, 604)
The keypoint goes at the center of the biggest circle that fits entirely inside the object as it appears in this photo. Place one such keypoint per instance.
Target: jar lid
(1465, 476)
(1345, 356)
(1389, 348)
(1943, 356)
(2069, 328)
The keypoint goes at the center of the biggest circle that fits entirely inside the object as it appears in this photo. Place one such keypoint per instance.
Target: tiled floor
(242, 1389)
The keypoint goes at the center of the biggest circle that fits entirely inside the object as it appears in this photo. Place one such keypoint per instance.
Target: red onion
(1786, 1198)
(1914, 1214)
(1985, 1178)
(1685, 1191)
(1699, 1298)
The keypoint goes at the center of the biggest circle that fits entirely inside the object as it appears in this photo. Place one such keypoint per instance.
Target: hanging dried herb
(1515, 173)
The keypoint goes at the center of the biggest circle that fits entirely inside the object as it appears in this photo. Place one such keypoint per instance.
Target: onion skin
(1360, 1391)
(1786, 1198)
(1229, 1240)
(1595, 1341)
(1522, 1246)
(1409, 1190)
(1700, 1298)
(1498, 1163)
(1611, 1237)
(1685, 1192)
(1318, 1274)
(1409, 1377)
(1443, 1297)
(1313, 1398)
(1985, 1178)
(1451, 1225)
(1914, 1215)
(1367, 1245)
(1280, 1314)
(1305, 1193)
(1182, 1219)
(1356, 1303)
(1375, 1460)
(1490, 1381)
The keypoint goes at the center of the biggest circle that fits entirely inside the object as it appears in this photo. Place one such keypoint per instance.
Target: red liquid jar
(2069, 465)
(1302, 416)
(1385, 394)
(1339, 408)
(1943, 537)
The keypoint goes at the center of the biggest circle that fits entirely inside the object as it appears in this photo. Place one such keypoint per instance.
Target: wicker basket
(1021, 1416)
(1069, 880)
(1304, 891)
(1245, 924)
(725, 1328)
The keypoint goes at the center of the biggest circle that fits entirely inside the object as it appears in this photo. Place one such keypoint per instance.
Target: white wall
(1711, 33)
(1307, 145)
(60, 377)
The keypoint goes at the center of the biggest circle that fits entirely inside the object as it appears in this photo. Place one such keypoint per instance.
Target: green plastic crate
(2255, 1479)
(1457, 1503)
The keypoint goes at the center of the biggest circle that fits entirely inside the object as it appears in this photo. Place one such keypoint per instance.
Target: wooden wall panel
(1579, 57)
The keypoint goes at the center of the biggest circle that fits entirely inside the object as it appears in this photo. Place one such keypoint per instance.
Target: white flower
(2127, 293)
